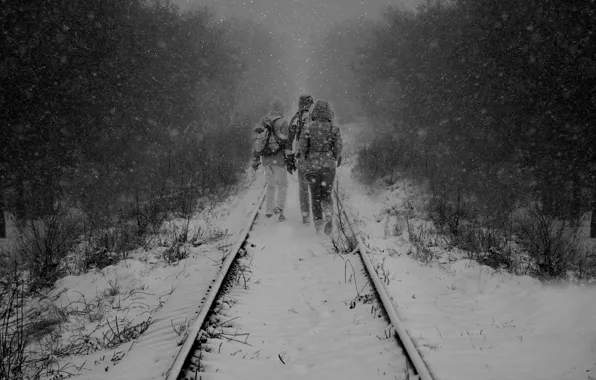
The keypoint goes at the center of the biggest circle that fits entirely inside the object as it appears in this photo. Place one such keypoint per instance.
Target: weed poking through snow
(343, 239)
(174, 254)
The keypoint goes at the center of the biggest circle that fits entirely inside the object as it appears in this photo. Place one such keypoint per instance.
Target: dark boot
(319, 225)
(304, 197)
(328, 224)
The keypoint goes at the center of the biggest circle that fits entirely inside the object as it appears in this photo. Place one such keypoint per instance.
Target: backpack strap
(273, 126)
(300, 123)
(275, 132)
(332, 138)
(297, 114)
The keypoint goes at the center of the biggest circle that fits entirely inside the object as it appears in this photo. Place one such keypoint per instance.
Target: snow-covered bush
(12, 327)
(45, 242)
(553, 243)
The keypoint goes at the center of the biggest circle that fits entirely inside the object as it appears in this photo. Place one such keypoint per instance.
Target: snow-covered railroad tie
(289, 307)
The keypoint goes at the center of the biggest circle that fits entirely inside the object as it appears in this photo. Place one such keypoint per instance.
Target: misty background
(129, 112)
(300, 25)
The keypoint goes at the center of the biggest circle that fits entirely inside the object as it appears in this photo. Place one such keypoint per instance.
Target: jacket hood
(322, 111)
(305, 101)
(278, 108)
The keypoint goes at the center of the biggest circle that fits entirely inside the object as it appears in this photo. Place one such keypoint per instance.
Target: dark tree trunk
(575, 209)
(21, 207)
(426, 162)
(2, 219)
(48, 196)
(593, 223)
(550, 205)
(593, 220)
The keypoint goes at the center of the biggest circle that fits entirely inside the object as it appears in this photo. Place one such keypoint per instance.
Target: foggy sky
(301, 21)
(291, 15)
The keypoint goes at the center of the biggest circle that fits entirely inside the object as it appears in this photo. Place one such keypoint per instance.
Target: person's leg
(270, 197)
(314, 183)
(304, 197)
(281, 180)
(327, 181)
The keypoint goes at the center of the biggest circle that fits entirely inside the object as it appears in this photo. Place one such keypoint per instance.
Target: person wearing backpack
(320, 148)
(269, 148)
(297, 123)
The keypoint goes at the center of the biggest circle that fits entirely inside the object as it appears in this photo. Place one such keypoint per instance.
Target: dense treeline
(105, 103)
(490, 102)
(117, 115)
(491, 94)
(114, 116)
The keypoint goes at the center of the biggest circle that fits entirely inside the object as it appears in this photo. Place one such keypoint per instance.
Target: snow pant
(277, 187)
(303, 194)
(320, 183)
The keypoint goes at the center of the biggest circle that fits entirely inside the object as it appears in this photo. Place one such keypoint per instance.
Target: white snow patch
(300, 316)
(146, 290)
(471, 322)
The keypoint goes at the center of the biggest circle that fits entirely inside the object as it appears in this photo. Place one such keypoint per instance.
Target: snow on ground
(144, 300)
(297, 314)
(469, 321)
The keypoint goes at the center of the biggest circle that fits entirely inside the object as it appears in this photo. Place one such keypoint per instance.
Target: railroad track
(286, 307)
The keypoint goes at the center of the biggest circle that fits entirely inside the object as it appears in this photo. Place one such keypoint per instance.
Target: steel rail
(194, 331)
(420, 365)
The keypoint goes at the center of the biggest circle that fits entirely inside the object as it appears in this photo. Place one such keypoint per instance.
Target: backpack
(299, 127)
(266, 142)
(300, 124)
(322, 142)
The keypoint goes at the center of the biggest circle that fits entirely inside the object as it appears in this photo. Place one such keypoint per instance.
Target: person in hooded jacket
(274, 164)
(320, 148)
(297, 124)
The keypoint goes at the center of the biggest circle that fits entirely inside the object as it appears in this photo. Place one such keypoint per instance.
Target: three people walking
(311, 143)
